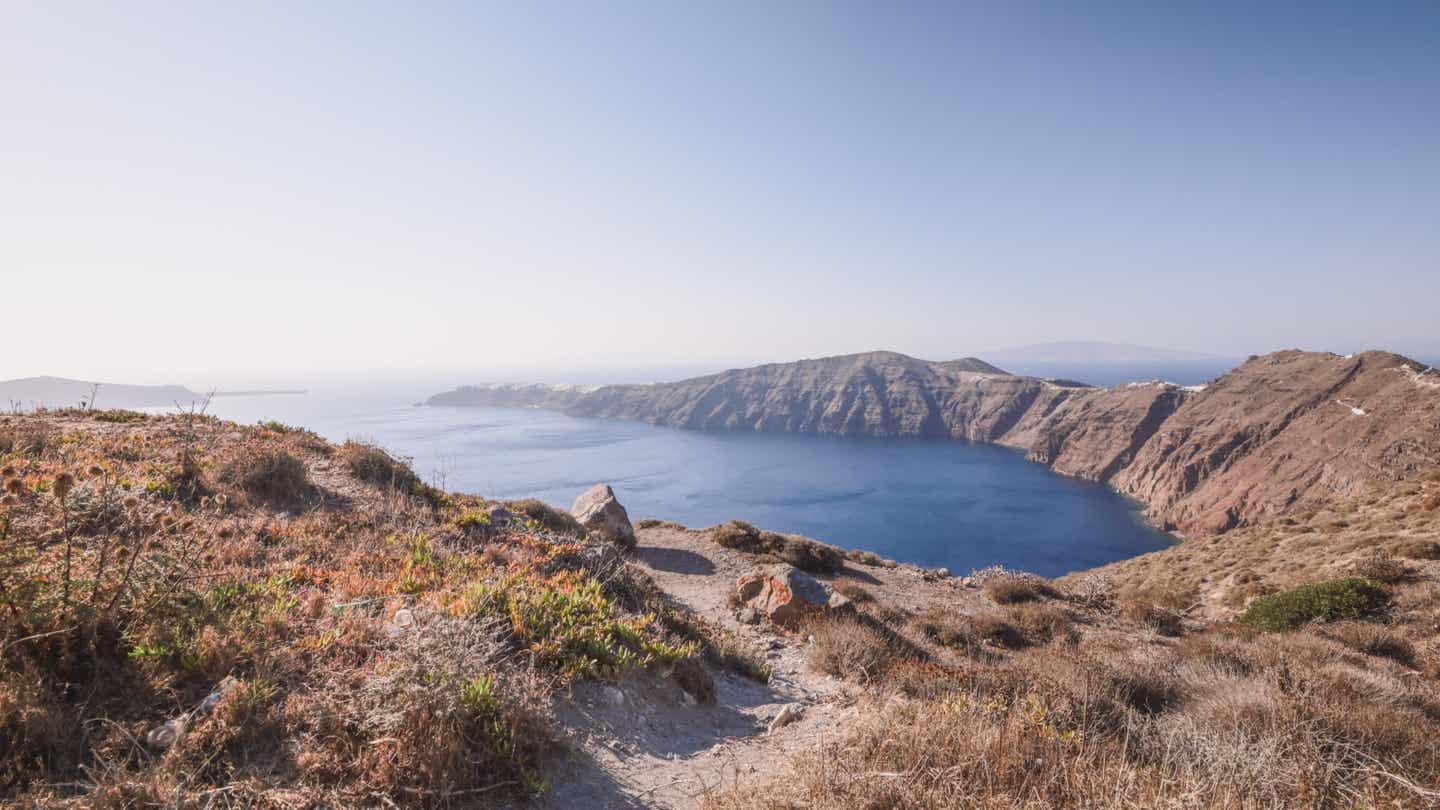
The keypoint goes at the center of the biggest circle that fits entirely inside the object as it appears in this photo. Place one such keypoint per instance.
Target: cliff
(1278, 433)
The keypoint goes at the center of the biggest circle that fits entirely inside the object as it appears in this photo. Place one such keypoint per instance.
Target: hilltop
(199, 613)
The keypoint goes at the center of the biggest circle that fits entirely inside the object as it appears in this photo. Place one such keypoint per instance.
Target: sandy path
(654, 747)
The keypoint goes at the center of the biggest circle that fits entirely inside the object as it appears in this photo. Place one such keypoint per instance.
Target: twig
(38, 635)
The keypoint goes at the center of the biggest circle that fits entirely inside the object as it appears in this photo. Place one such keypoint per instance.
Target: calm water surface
(950, 504)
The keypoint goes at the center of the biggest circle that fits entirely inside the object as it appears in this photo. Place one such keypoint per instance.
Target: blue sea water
(933, 503)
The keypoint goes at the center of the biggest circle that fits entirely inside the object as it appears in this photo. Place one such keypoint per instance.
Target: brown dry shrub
(1373, 639)
(943, 626)
(848, 648)
(269, 476)
(375, 466)
(1146, 614)
(1012, 589)
(887, 613)
(864, 558)
(1381, 569)
(27, 440)
(1170, 594)
(801, 552)
(1415, 549)
(852, 590)
(962, 631)
(1041, 624)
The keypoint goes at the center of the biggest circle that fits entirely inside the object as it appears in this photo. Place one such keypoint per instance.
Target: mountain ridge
(1262, 440)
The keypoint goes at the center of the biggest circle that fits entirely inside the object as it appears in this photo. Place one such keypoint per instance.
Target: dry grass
(1151, 616)
(968, 632)
(1015, 588)
(1382, 569)
(1041, 624)
(801, 552)
(1415, 549)
(846, 647)
(270, 476)
(1223, 719)
(854, 591)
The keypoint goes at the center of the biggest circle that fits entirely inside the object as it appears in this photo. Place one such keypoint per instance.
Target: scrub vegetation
(195, 613)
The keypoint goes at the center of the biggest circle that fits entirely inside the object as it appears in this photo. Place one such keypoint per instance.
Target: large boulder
(785, 594)
(602, 515)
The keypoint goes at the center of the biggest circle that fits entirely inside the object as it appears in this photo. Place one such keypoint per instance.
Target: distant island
(28, 393)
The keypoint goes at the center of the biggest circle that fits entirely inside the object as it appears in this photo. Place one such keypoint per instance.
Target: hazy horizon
(266, 193)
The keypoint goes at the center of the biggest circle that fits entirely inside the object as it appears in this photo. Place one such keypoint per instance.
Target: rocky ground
(646, 745)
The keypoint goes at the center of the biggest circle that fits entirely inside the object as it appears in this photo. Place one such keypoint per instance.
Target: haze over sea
(950, 504)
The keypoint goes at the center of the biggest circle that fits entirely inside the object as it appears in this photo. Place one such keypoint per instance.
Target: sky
(202, 192)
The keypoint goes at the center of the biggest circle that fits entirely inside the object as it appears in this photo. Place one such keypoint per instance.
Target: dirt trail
(644, 743)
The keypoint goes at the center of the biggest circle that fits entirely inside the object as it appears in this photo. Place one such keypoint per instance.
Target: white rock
(168, 733)
(599, 512)
(788, 714)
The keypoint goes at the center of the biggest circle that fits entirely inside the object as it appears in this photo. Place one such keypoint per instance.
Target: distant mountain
(1111, 363)
(28, 393)
(1278, 434)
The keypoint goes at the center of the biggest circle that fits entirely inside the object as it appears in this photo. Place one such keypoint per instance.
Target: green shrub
(573, 627)
(118, 416)
(1349, 598)
(547, 516)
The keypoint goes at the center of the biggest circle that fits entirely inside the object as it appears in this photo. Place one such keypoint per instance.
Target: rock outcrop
(601, 514)
(785, 594)
(1277, 434)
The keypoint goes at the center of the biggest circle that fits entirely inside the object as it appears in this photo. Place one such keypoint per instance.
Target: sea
(933, 503)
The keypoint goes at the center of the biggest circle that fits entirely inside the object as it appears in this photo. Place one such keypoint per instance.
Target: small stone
(611, 696)
(401, 623)
(748, 615)
(168, 733)
(788, 714)
(225, 687)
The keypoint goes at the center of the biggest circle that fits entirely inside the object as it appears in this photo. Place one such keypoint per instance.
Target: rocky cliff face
(1276, 434)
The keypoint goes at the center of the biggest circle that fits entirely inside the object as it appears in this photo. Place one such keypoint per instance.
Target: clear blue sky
(250, 188)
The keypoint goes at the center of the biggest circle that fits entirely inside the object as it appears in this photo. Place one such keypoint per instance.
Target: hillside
(195, 613)
(1277, 435)
(57, 392)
